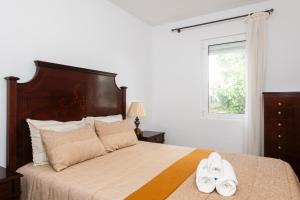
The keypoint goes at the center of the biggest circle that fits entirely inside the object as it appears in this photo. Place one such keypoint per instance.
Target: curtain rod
(217, 21)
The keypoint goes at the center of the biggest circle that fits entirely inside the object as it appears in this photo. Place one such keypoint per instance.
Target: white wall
(284, 47)
(91, 33)
(177, 79)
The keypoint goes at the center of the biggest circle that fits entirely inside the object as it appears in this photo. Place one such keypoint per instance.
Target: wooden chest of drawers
(282, 127)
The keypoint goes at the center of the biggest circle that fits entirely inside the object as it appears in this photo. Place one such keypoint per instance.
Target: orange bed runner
(164, 184)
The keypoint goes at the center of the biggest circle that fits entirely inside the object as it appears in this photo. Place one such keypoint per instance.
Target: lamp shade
(136, 109)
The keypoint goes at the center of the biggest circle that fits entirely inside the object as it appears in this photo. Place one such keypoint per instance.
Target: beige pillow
(64, 150)
(35, 126)
(116, 135)
(110, 118)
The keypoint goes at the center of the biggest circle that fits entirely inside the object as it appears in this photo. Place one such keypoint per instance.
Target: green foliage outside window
(229, 89)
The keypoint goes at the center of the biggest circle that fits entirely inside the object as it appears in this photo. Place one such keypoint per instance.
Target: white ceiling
(155, 12)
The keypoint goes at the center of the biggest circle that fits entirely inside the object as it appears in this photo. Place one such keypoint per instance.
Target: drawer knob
(279, 136)
(279, 104)
(279, 147)
(279, 112)
(279, 124)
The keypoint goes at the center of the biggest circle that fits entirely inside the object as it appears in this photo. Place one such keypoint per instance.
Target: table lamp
(137, 110)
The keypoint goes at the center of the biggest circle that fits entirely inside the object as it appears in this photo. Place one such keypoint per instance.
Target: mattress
(116, 175)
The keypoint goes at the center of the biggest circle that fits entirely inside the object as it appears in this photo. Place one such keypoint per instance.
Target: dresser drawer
(278, 102)
(275, 148)
(276, 140)
(277, 113)
(294, 161)
(276, 125)
(278, 136)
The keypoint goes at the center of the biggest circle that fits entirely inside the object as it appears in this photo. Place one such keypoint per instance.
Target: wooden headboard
(57, 92)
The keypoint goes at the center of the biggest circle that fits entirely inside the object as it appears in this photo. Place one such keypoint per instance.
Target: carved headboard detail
(57, 92)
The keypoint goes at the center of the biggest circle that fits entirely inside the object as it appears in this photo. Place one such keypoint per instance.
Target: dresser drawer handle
(279, 112)
(279, 104)
(279, 136)
(279, 124)
(279, 147)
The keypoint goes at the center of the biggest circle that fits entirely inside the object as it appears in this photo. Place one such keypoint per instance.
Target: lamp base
(137, 131)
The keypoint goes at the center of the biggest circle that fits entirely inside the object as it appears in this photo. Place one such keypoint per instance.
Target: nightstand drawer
(6, 190)
(9, 184)
(156, 139)
(152, 136)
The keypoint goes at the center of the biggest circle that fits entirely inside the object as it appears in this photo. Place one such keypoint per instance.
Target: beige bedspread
(118, 174)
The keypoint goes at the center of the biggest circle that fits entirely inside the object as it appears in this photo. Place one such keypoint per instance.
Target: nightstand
(9, 185)
(152, 136)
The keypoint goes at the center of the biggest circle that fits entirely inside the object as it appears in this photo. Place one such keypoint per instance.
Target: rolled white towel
(204, 180)
(227, 185)
(215, 165)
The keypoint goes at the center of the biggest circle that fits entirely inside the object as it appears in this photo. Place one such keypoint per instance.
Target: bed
(115, 175)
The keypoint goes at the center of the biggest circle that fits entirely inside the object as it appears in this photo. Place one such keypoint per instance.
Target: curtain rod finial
(178, 30)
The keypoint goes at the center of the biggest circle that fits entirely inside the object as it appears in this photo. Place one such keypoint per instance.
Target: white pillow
(35, 127)
(110, 118)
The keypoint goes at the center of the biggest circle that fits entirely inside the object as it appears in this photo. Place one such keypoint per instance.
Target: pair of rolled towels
(215, 173)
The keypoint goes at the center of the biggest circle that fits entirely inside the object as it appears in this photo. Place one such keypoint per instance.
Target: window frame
(206, 43)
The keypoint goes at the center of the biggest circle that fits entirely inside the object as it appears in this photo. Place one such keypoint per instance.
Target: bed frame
(57, 92)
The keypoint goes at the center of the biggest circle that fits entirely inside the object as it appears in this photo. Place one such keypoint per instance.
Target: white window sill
(221, 116)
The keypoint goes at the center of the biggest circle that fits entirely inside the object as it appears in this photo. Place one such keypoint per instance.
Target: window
(227, 77)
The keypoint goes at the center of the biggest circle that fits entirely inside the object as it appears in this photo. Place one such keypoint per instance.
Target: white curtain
(256, 44)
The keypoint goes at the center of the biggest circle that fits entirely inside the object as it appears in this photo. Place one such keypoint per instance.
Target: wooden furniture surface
(9, 184)
(57, 92)
(152, 136)
(282, 127)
